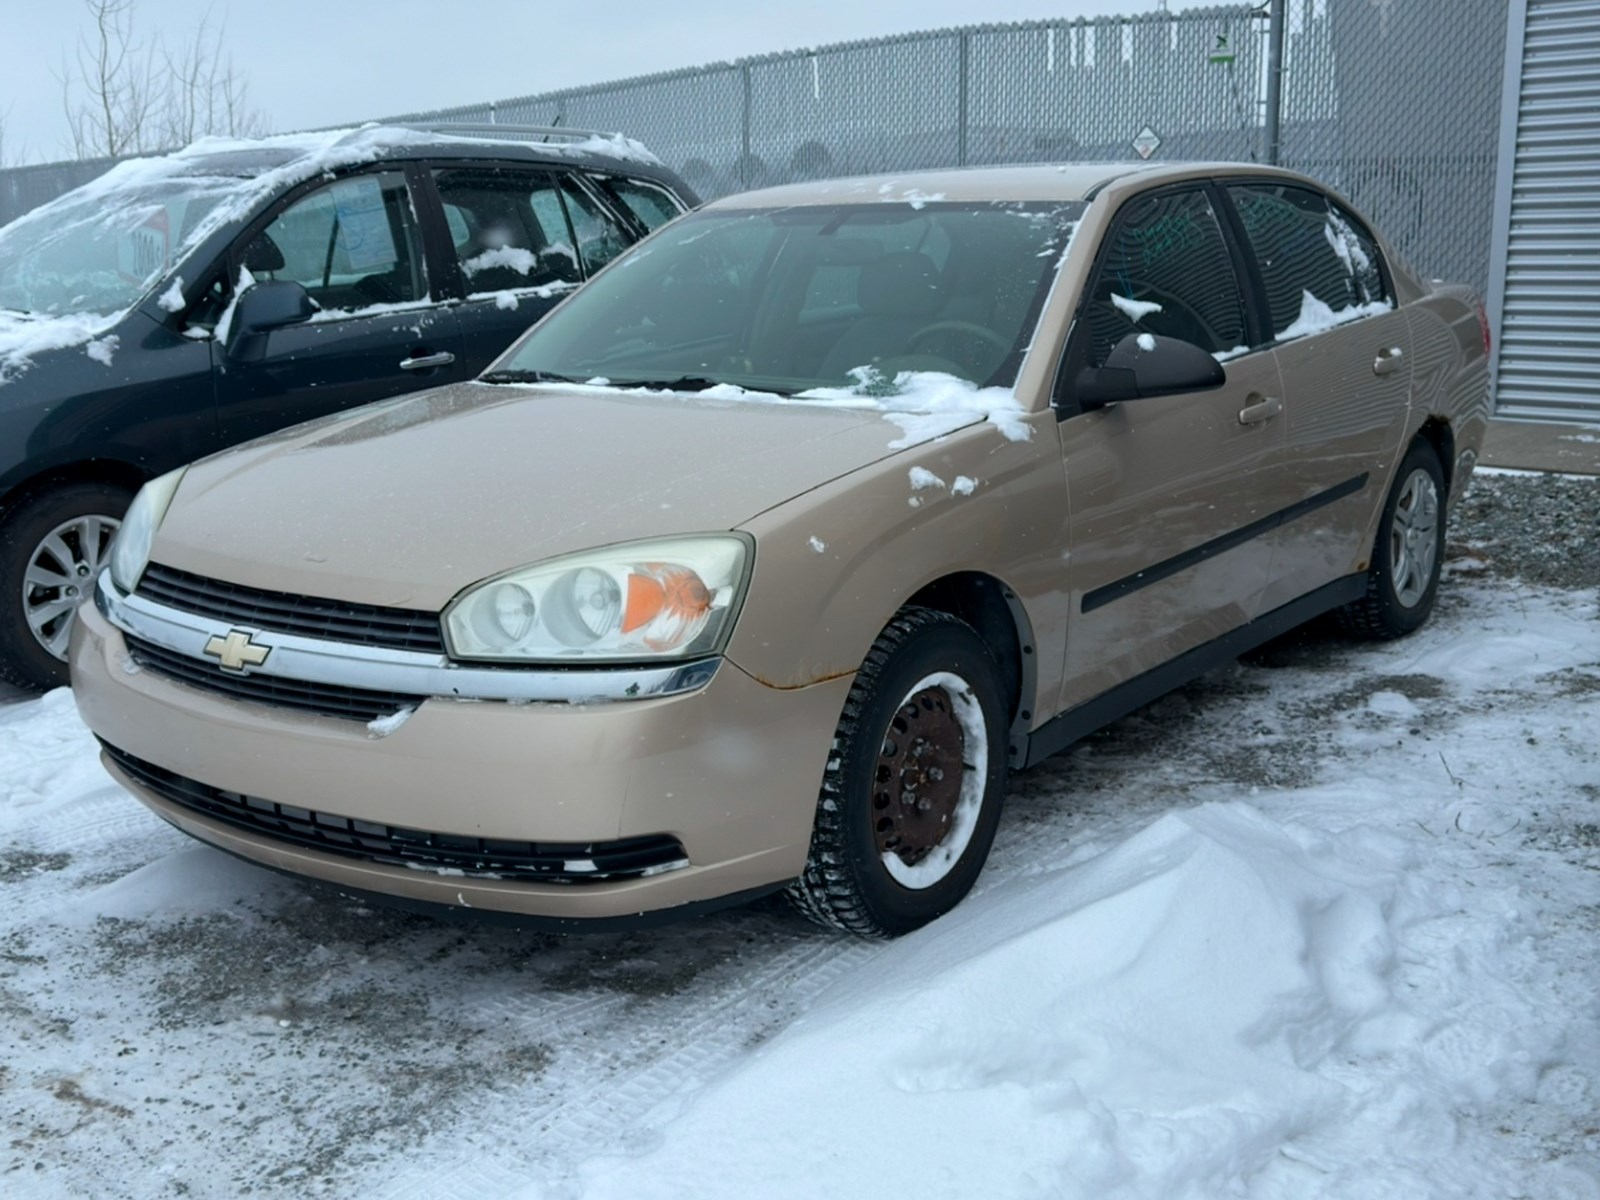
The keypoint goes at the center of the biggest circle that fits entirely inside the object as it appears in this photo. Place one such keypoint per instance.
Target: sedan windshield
(99, 250)
(820, 296)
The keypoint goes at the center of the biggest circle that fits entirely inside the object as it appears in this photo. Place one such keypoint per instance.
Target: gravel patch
(1542, 529)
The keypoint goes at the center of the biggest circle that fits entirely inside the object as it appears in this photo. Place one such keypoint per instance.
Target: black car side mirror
(1147, 364)
(263, 307)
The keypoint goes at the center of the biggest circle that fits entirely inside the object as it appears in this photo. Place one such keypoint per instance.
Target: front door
(355, 246)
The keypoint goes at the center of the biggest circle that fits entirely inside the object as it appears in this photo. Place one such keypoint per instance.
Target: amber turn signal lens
(671, 597)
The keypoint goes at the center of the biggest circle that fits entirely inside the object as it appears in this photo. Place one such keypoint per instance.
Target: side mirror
(1147, 364)
(263, 307)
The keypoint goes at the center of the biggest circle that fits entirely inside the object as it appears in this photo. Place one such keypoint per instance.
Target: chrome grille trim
(384, 669)
(285, 612)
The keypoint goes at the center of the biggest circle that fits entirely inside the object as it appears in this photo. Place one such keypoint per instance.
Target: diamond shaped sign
(1146, 143)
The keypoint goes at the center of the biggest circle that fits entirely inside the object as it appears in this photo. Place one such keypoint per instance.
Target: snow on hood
(1168, 1019)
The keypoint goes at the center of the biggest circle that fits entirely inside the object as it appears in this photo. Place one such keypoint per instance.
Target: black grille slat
(543, 862)
(283, 612)
(322, 699)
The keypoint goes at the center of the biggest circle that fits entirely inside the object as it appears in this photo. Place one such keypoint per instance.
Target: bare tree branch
(123, 96)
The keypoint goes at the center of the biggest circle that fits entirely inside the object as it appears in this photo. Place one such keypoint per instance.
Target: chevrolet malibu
(761, 560)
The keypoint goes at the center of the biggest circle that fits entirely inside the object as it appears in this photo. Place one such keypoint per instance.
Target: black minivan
(181, 304)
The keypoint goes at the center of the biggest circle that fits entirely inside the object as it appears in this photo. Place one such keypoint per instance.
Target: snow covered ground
(1322, 924)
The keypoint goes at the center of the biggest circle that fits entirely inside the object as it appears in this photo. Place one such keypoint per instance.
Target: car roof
(1060, 181)
(247, 158)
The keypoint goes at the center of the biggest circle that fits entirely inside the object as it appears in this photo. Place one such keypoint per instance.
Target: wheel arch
(995, 612)
(115, 472)
(1438, 433)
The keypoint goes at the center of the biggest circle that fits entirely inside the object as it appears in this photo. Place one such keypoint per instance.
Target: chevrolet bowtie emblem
(236, 651)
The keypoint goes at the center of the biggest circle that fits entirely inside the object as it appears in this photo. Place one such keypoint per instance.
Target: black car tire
(926, 695)
(24, 660)
(1403, 580)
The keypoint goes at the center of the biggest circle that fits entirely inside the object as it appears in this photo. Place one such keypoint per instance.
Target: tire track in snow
(604, 1105)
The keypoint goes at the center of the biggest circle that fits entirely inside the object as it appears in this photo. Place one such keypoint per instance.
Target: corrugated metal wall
(1548, 215)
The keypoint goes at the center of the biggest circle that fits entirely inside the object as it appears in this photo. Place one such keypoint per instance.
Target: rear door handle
(1264, 409)
(426, 362)
(1389, 360)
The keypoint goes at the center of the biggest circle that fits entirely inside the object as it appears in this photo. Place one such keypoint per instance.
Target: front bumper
(731, 770)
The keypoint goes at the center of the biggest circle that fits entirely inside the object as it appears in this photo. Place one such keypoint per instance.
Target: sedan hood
(406, 502)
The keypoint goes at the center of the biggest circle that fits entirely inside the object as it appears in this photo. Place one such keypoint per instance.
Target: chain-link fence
(1394, 102)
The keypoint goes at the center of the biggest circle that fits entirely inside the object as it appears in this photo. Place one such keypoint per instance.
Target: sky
(313, 63)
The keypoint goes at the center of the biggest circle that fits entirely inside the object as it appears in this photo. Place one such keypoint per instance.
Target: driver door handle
(1388, 360)
(1263, 408)
(427, 362)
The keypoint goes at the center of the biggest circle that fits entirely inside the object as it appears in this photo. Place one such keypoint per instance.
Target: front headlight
(130, 551)
(663, 599)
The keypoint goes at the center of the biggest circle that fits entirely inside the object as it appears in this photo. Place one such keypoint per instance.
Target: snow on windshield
(921, 311)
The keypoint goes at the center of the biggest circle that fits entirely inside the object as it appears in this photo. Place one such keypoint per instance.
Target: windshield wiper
(693, 383)
(520, 376)
(682, 383)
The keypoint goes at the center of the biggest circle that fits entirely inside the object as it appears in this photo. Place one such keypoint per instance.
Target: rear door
(1167, 493)
(1342, 350)
(356, 246)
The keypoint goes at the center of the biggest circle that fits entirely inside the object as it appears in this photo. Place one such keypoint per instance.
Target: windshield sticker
(143, 250)
(363, 223)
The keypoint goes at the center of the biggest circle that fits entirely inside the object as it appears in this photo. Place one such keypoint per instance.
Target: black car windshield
(819, 296)
(100, 250)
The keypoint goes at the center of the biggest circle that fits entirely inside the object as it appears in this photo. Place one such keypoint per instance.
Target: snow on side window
(1317, 270)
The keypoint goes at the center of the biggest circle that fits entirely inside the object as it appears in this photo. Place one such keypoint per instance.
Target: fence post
(1274, 127)
(961, 101)
(744, 152)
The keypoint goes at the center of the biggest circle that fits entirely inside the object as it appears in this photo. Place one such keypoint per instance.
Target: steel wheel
(1414, 538)
(914, 782)
(59, 574)
(929, 781)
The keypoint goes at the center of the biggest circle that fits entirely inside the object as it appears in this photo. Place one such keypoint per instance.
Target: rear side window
(1316, 260)
(509, 229)
(1166, 270)
(651, 204)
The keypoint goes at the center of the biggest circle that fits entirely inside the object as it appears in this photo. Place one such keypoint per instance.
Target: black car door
(381, 329)
(518, 240)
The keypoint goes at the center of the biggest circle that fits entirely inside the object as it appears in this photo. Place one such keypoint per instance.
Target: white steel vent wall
(1549, 359)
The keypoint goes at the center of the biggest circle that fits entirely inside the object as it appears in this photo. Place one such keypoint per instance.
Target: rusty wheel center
(917, 784)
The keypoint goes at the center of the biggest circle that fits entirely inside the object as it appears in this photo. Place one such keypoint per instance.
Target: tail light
(1483, 324)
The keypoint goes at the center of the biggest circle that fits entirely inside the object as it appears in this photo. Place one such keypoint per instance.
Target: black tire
(1403, 580)
(864, 802)
(25, 661)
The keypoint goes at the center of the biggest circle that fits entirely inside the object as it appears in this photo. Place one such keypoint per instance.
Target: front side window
(351, 244)
(509, 229)
(786, 300)
(1166, 270)
(1319, 266)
